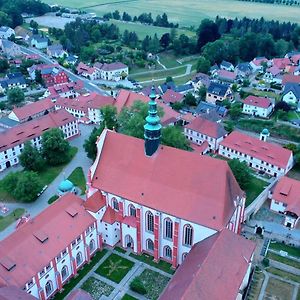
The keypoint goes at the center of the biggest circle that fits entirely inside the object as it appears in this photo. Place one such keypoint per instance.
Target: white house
(114, 71)
(218, 92)
(285, 200)
(86, 71)
(6, 32)
(56, 51)
(273, 74)
(39, 42)
(257, 63)
(257, 153)
(258, 106)
(201, 130)
(225, 65)
(291, 93)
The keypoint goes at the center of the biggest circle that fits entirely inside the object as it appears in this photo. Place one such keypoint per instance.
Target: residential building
(291, 93)
(45, 252)
(10, 49)
(200, 79)
(258, 106)
(39, 67)
(273, 74)
(65, 90)
(218, 267)
(32, 110)
(218, 92)
(6, 32)
(281, 63)
(257, 153)
(201, 130)
(170, 97)
(56, 51)
(227, 66)
(12, 81)
(243, 69)
(226, 76)
(39, 42)
(285, 200)
(290, 78)
(206, 108)
(91, 73)
(113, 71)
(12, 140)
(71, 59)
(85, 106)
(257, 64)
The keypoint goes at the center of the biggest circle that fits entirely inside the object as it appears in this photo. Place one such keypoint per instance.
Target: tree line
(286, 2)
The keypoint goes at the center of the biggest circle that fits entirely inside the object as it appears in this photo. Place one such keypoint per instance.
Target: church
(158, 199)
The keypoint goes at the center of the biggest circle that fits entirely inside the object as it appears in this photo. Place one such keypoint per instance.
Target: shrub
(266, 262)
(137, 286)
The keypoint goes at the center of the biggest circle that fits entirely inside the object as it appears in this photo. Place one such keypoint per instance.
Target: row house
(12, 140)
(145, 217)
(65, 90)
(11, 81)
(44, 253)
(258, 106)
(86, 71)
(201, 130)
(85, 106)
(257, 153)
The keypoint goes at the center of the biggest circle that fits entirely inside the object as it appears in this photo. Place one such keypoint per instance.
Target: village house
(225, 76)
(113, 71)
(273, 75)
(12, 140)
(258, 106)
(208, 108)
(257, 64)
(32, 110)
(201, 130)
(280, 63)
(86, 71)
(6, 32)
(199, 80)
(171, 97)
(259, 154)
(227, 66)
(218, 92)
(65, 90)
(290, 78)
(39, 42)
(12, 80)
(285, 200)
(291, 93)
(10, 49)
(243, 69)
(56, 51)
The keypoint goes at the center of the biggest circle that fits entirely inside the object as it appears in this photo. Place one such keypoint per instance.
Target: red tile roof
(171, 96)
(274, 70)
(28, 253)
(34, 108)
(259, 60)
(83, 68)
(79, 294)
(84, 102)
(95, 202)
(113, 66)
(290, 78)
(200, 149)
(130, 220)
(55, 90)
(226, 74)
(111, 216)
(281, 63)
(268, 152)
(258, 101)
(287, 191)
(295, 58)
(13, 293)
(214, 269)
(207, 127)
(29, 130)
(157, 183)
(127, 98)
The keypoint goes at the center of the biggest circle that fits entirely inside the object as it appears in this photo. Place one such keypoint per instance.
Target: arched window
(92, 246)
(188, 235)
(64, 273)
(184, 256)
(168, 252)
(49, 288)
(150, 245)
(79, 259)
(115, 203)
(131, 210)
(168, 228)
(149, 221)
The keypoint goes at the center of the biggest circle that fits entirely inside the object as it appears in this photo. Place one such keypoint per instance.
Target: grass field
(12, 217)
(284, 275)
(283, 260)
(255, 188)
(293, 251)
(78, 179)
(188, 12)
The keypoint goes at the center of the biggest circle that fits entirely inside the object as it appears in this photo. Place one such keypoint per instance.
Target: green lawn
(78, 179)
(293, 251)
(153, 282)
(115, 268)
(162, 265)
(283, 274)
(53, 199)
(97, 288)
(255, 187)
(263, 94)
(169, 60)
(81, 273)
(128, 297)
(11, 218)
(284, 260)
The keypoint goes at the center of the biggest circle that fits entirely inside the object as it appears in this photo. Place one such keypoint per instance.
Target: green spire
(152, 128)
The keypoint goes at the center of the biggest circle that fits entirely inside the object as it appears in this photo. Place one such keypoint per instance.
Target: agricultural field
(188, 12)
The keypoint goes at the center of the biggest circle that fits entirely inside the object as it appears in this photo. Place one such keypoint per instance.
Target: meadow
(188, 12)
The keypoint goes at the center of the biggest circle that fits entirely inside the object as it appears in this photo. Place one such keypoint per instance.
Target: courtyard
(117, 274)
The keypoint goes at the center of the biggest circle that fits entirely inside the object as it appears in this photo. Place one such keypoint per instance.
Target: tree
(38, 77)
(235, 111)
(31, 158)
(190, 99)
(203, 65)
(241, 172)
(15, 96)
(90, 143)
(207, 32)
(173, 136)
(282, 105)
(109, 114)
(165, 40)
(33, 24)
(177, 106)
(55, 149)
(169, 79)
(202, 92)
(4, 65)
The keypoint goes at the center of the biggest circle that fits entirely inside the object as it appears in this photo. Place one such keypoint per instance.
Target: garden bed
(97, 288)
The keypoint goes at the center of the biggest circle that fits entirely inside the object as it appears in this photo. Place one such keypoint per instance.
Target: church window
(131, 210)
(115, 203)
(150, 245)
(188, 235)
(64, 273)
(168, 252)
(49, 288)
(149, 221)
(168, 228)
(79, 259)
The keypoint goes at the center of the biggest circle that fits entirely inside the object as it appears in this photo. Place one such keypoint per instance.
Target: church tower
(152, 128)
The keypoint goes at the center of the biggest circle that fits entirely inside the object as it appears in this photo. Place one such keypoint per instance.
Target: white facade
(257, 111)
(290, 97)
(92, 76)
(115, 75)
(6, 32)
(94, 114)
(269, 77)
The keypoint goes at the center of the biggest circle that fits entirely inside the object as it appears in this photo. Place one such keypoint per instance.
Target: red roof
(79, 294)
(289, 78)
(287, 191)
(29, 130)
(171, 96)
(84, 102)
(295, 58)
(258, 101)
(226, 74)
(127, 98)
(209, 128)
(111, 216)
(34, 108)
(31, 247)
(268, 152)
(281, 63)
(156, 183)
(95, 202)
(83, 68)
(113, 66)
(13, 293)
(55, 90)
(214, 269)
(200, 149)
(189, 117)
(259, 60)
(130, 220)
(274, 70)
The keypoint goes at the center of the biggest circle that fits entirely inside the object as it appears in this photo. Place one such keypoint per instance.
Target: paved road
(80, 160)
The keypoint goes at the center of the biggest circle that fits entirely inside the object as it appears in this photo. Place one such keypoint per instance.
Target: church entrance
(129, 241)
(259, 230)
